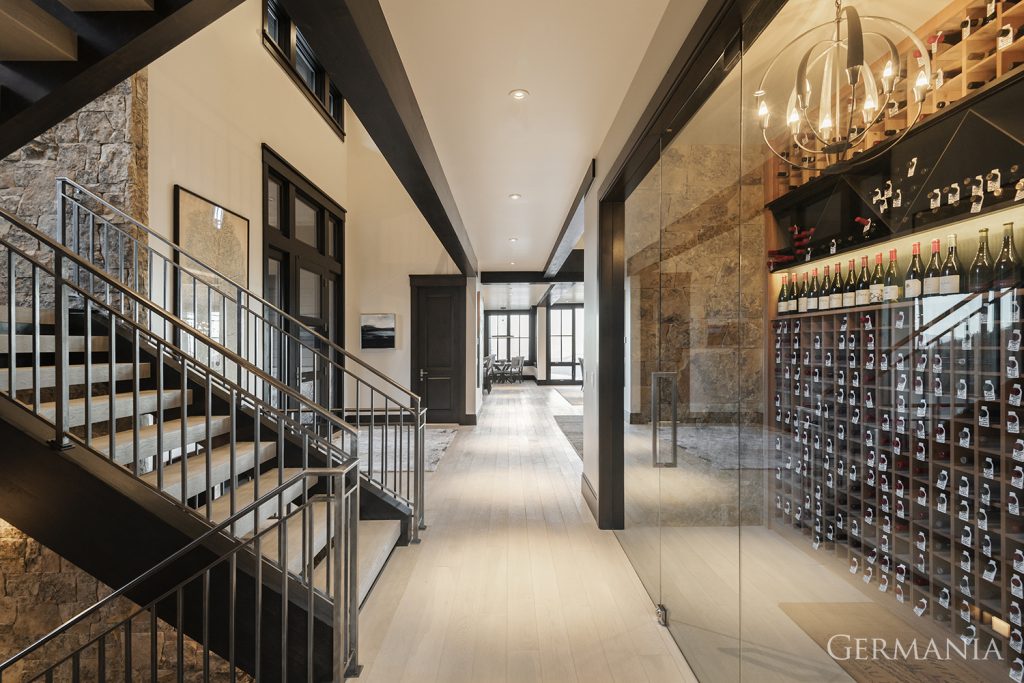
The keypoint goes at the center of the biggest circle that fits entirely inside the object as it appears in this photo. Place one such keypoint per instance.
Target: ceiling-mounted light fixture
(515, 196)
(519, 94)
(844, 84)
(513, 239)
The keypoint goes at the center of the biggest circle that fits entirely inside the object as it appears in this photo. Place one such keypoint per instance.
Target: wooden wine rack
(860, 460)
(996, 64)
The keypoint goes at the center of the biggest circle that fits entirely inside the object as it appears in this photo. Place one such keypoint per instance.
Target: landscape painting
(377, 330)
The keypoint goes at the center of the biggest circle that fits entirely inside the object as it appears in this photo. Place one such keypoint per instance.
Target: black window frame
(287, 48)
(530, 358)
(577, 377)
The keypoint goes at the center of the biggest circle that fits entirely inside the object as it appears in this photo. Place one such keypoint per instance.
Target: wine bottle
(863, 283)
(850, 290)
(793, 297)
(801, 301)
(823, 292)
(934, 271)
(811, 293)
(979, 277)
(835, 299)
(1007, 271)
(783, 301)
(891, 288)
(951, 275)
(877, 286)
(912, 288)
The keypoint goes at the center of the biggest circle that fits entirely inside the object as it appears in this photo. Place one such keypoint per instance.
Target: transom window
(295, 55)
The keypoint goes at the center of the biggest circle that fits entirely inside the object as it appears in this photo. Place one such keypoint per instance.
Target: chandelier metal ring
(849, 108)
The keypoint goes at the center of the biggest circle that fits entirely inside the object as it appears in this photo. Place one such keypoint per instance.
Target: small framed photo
(377, 330)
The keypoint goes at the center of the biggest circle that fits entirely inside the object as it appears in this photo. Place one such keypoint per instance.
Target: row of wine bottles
(889, 285)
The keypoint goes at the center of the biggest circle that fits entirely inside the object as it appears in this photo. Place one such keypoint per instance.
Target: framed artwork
(377, 330)
(216, 235)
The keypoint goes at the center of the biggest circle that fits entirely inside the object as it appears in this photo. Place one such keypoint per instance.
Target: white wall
(215, 99)
(668, 38)
(542, 343)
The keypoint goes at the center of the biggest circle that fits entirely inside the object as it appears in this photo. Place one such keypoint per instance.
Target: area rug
(724, 447)
(437, 440)
(845, 622)
(572, 427)
(573, 396)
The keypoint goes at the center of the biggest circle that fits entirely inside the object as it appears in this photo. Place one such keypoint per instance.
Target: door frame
(547, 341)
(422, 282)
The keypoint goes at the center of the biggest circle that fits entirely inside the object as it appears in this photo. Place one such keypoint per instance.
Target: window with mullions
(508, 335)
(296, 56)
(565, 343)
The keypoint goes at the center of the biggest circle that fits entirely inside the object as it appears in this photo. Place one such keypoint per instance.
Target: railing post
(60, 335)
(421, 435)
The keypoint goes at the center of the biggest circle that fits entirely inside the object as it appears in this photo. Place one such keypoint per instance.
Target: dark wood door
(439, 342)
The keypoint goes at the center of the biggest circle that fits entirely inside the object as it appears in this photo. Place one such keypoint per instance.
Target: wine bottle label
(949, 284)
(835, 301)
(863, 297)
(891, 293)
(802, 305)
(913, 289)
(783, 307)
(875, 294)
(811, 304)
(793, 306)
(849, 298)
(931, 285)
(823, 303)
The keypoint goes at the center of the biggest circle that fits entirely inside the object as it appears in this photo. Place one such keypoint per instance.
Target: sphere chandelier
(839, 98)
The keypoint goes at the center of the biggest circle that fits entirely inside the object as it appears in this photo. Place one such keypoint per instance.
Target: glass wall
(565, 343)
(832, 493)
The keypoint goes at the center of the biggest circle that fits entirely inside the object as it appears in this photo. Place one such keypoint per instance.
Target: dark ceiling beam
(352, 40)
(528, 277)
(111, 47)
(568, 239)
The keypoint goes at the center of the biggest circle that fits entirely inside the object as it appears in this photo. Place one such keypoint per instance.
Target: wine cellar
(895, 392)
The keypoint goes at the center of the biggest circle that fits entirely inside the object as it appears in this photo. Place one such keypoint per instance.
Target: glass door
(689, 394)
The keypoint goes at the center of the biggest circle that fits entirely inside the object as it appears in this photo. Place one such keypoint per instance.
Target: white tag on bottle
(1006, 40)
(1020, 192)
(977, 204)
(912, 167)
(936, 200)
(995, 180)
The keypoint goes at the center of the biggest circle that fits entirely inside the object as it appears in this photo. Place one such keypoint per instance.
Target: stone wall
(39, 591)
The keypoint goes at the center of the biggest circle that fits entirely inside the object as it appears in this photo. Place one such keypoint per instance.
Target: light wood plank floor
(513, 581)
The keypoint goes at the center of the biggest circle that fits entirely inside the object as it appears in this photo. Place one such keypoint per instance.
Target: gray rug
(724, 447)
(572, 427)
(437, 442)
(573, 396)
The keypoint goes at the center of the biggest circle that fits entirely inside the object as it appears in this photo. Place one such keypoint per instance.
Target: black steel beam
(569, 236)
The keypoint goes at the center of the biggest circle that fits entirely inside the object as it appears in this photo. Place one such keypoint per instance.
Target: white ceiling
(575, 57)
(512, 297)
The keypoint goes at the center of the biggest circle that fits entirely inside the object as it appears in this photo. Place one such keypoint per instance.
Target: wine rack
(982, 56)
(898, 437)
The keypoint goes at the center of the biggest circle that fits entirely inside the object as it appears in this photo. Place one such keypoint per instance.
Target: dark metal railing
(108, 646)
(390, 418)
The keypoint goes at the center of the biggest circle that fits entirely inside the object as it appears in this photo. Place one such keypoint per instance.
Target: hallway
(513, 581)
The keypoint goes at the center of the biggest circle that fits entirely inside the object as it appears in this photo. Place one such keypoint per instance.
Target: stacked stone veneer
(104, 147)
(39, 591)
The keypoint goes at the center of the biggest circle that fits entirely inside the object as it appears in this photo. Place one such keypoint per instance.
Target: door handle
(656, 379)
(423, 375)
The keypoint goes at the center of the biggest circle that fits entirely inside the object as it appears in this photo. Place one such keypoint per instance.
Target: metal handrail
(349, 613)
(170, 317)
(395, 457)
(249, 295)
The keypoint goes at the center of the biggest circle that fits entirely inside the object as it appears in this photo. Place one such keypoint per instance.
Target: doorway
(438, 363)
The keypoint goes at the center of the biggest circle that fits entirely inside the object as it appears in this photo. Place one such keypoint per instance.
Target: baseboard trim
(558, 383)
(589, 495)
(469, 420)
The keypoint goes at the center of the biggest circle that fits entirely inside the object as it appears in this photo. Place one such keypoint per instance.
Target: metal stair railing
(389, 416)
(99, 643)
(48, 273)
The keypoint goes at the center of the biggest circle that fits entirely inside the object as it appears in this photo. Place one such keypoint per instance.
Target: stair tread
(76, 343)
(76, 374)
(375, 541)
(123, 405)
(196, 433)
(293, 543)
(220, 509)
(220, 468)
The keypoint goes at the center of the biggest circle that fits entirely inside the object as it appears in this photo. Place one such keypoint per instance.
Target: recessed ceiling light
(515, 196)
(513, 239)
(519, 94)
(512, 263)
